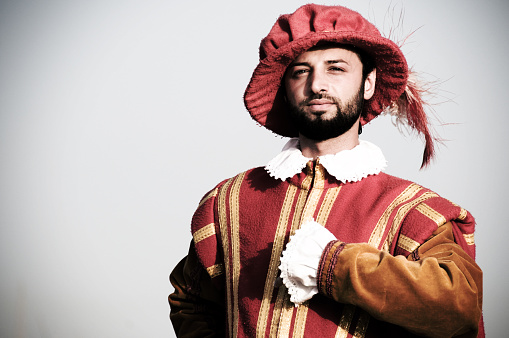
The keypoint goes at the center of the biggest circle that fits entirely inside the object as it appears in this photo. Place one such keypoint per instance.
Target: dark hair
(368, 63)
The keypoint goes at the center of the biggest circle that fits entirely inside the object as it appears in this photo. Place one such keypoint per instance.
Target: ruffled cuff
(300, 260)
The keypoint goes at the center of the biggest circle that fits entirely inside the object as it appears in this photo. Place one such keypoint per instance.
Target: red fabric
(261, 201)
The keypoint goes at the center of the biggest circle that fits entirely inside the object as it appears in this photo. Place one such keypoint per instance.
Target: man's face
(325, 91)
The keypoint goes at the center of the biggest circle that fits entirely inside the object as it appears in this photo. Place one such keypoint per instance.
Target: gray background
(117, 116)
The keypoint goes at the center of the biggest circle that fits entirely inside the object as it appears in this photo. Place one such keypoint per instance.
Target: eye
(297, 72)
(336, 69)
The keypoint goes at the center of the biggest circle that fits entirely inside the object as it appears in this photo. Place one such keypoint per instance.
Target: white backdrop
(117, 116)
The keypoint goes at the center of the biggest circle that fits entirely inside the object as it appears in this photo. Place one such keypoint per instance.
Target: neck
(313, 149)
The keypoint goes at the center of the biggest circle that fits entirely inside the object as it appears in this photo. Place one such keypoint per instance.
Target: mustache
(320, 96)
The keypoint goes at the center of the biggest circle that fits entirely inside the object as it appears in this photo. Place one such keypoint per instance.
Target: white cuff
(299, 261)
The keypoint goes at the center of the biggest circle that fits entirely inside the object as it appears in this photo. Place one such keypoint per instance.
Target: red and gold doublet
(242, 226)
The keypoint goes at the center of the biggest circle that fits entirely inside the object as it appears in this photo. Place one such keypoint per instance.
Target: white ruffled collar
(346, 166)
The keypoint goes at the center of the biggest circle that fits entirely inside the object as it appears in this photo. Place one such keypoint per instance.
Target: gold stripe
(319, 175)
(277, 310)
(205, 232)
(463, 214)
(277, 248)
(323, 215)
(345, 321)
(378, 232)
(304, 212)
(234, 226)
(301, 201)
(325, 209)
(286, 318)
(215, 270)
(408, 244)
(300, 320)
(306, 182)
(314, 194)
(223, 226)
(432, 214)
(400, 215)
(362, 325)
(302, 310)
(311, 204)
(469, 238)
(213, 193)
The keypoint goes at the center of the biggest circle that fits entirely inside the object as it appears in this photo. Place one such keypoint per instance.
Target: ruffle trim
(346, 166)
(300, 260)
(288, 162)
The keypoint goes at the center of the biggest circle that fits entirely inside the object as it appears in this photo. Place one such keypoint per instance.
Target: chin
(321, 115)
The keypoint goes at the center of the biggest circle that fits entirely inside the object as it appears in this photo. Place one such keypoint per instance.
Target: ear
(369, 85)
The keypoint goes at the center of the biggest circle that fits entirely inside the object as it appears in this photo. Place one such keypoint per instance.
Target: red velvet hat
(311, 24)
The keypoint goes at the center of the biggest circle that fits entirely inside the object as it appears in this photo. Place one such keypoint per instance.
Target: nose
(318, 83)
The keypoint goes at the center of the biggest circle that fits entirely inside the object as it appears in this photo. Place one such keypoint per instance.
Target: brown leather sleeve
(435, 292)
(196, 305)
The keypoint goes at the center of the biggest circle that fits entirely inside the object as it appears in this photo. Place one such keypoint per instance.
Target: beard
(321, 129)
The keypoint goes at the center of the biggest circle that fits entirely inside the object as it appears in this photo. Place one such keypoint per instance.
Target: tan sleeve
(196, 305)
(435, 292)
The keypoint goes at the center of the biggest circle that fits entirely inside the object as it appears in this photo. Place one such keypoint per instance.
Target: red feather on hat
(409, 109)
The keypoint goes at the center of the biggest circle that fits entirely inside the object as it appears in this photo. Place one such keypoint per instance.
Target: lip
(319, 102)
(319, 106)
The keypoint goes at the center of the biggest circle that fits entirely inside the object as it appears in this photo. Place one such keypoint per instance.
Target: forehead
(326, 54)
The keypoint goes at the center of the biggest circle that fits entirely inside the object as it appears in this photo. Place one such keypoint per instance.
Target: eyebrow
(329, 62)
(336, 61)
(296, 64)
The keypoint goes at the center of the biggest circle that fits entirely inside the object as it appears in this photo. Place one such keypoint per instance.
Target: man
(321, 242)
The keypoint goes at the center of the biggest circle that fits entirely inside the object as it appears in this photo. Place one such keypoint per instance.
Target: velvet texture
(240, 230)
(407, 292)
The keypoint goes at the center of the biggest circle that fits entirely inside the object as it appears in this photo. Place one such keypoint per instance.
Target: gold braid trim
(205, 232)
(469, 238)
(277, 249)
(400, 215)
(213, 193)
(223, 226)
(408, 244)
(431, 213)
(377, 234)
(215, 270)
(234, 228)
(322, 217)
(299, 207)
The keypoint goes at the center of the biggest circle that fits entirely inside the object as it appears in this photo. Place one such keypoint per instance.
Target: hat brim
(264, 97)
